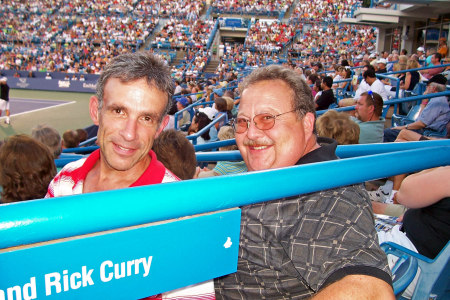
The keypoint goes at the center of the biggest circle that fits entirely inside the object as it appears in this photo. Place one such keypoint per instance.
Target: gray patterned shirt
(290, 248)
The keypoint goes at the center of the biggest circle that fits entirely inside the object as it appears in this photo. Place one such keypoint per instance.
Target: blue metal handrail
(195, 136)
(48, 219)
(342, 151)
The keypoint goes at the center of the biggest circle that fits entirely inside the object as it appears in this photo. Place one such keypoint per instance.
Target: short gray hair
(438, 87)
(49, 136)
(134, 66)
(302, 101)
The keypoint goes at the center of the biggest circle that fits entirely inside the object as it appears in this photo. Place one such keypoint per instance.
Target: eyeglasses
(264, 121)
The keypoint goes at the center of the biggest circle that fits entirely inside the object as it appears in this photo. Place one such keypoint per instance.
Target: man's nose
(253, 131)
(128, 131)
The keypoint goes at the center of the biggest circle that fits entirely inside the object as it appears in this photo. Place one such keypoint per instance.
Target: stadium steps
(211, 66)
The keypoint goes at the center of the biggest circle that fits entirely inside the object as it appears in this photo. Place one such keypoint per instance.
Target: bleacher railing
(49, 245)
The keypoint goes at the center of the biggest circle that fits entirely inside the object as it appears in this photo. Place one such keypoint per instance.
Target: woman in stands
(409, 80)
(201, 119)
(426, 223)
(26, 169)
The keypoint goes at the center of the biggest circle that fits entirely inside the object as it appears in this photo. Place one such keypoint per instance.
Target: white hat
(360, 56)
(382, 61)
(373, 55)
(3, 79)
(208, 111)
(421, 49)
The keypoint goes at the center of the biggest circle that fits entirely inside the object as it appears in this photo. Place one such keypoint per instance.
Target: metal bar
(47, 219)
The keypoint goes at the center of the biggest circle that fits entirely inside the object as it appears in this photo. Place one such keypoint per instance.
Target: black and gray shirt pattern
(290, 248)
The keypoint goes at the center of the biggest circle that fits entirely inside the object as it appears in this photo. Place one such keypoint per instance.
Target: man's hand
(357, 287)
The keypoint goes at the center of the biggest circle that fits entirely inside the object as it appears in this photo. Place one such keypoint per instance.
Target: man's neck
(103, 177)
(374, 118)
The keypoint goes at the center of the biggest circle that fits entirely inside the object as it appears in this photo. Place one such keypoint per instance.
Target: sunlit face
(364, 112)
(128, 123)
(285, 143)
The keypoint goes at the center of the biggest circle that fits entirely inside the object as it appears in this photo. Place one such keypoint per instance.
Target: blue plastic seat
(413, 114)
(434, 279)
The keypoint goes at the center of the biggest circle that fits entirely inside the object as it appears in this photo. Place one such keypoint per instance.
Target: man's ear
(93, 109)
(308, 124)
(163, 125)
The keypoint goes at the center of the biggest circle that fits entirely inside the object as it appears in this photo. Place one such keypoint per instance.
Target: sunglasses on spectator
(264, 121)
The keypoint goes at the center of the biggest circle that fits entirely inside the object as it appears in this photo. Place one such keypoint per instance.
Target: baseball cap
(439, 78)
(421, 49)
(373, 55)
(382, 61)
(3, 79)
(219, 92)
(208, 111)
(183, 100)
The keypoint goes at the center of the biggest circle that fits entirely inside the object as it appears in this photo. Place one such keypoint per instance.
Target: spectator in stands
(176, 153)
(375, 85)
(48, 76)
(361, 88)
(432, 120)
(26, 169)
(425, 228)
(82, 135)
(129, 107)
(225, 167)
(70, 139)
(50, 137)
(409, 80)
(443, 48)
(185, 116)
(275, 129)
(382, 62)
(4, 99)
(338, 126)
(201, 119)
(436, 61)
(421, 53)
(368, 112)
(327, 97)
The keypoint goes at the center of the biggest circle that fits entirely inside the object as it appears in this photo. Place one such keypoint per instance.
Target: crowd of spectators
(267, 37)
(252, 7)
(323, 10)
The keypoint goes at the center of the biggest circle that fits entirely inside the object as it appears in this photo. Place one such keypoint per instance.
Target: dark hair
(377, 102)
(26, 168)
(134, 66)
(345, 63)
(82, 135)
(370, 67)
(328, 81)
(176, 153)
(437, 55)
(348, 73)
(369, 73)
(221, 104)
(70, 138)
(302, 100)
(49, 137)
(202, 120)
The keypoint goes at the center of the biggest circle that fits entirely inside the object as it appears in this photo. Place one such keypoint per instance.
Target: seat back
(433, 281)
(413, 114)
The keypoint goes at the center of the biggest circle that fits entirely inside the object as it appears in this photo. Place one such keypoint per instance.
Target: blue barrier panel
(52, 85)
(130, 263)
(47, 219)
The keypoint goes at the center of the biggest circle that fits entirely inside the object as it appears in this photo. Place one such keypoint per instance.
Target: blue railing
(43, 220)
